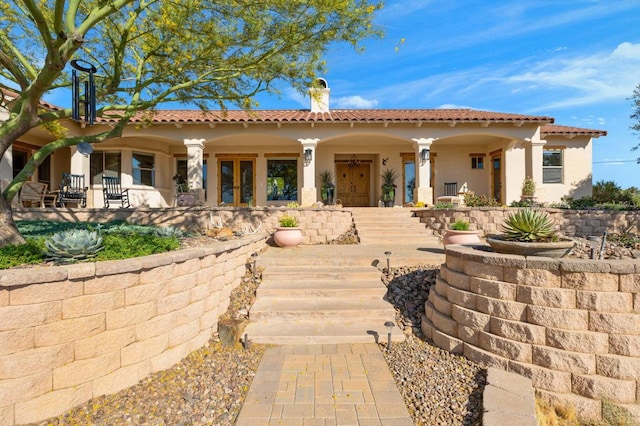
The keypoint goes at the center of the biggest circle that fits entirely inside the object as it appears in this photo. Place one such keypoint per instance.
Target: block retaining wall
(70, 333)
(578, 223)
(318, 226)
(572, 326)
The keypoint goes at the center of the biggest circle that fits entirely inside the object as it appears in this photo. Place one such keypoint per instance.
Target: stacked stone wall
(319, 226)
(70, 333)
(572, 326)
(578, 223)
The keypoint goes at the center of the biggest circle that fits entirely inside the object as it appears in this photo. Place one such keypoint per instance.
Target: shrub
(120, 246)
(32, 252)
(521, 203)
(460, 225)
(441, 205)
(529, 225)
(480, 201)
(288, 222)
(73, 245)
(293, 205)
(420, 204)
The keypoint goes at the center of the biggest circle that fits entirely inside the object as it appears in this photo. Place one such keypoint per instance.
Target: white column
(533, 155)
(309, 194)
(195, 149)
(422, 190)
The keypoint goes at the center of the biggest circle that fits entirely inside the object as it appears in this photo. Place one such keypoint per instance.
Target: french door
(353, 184)
(496, 176)
(236, 181)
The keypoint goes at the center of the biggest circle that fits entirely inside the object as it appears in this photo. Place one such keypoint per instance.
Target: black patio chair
(112, 190)
(72, 190)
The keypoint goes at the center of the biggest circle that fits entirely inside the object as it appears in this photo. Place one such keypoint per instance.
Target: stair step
(304, 332)
(336, 260)
(321, 309)
(336, 289)
(307, 273)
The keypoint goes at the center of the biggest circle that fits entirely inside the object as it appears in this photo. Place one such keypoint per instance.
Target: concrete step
(296, 274)
(321, 309)
(328, 261)
(390, 225)
(315, 289)
(304, 332)
(391, 240)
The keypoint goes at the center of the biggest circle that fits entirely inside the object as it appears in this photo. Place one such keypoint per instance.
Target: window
(552, 166)
(477, 162)
(282, 180)
(143, 169)
(107, 163)
(44, 171)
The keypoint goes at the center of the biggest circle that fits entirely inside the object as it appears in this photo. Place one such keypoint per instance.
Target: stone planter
(545, 249)
(454, 236)
(287, 237)
(186, 199)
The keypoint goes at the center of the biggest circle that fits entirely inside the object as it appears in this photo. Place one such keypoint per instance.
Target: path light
(254, 258)
(388, 254)
(389, 325)
(245, 343)
(594, 243)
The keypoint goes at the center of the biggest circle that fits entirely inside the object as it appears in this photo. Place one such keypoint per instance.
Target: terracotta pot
(287, 237)
(545, 249)
(453, 236)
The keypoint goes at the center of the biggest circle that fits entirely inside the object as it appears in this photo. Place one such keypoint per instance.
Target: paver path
(341, 384)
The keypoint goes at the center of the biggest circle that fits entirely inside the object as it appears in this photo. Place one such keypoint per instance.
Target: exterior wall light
(308, 155)
(424, 155)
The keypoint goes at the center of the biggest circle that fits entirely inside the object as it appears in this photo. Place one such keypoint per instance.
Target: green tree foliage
(635, 98)
(206, 53)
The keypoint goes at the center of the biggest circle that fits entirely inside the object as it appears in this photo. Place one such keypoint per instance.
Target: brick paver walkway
(343, 384)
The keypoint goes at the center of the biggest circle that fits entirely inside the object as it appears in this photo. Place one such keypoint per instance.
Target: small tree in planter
(389, 177)
(459, 233)
(288, 234)
(528, 190)
(184, 196)
(327, 187)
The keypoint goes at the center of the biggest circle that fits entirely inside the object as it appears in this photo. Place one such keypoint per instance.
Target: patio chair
(33, 193)
(112, 190)
(72, 190)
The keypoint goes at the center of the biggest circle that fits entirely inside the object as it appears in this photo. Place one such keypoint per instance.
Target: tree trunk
(8, 231)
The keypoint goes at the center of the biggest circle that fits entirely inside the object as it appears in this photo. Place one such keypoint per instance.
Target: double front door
(353, 184)
(236, 181)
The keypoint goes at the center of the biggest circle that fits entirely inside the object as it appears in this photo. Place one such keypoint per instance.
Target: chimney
(320, 96)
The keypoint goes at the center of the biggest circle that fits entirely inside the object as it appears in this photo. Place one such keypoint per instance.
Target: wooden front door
(236, 181)
(353, 184)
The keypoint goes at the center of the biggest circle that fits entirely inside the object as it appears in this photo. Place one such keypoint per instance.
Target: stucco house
(274, 157)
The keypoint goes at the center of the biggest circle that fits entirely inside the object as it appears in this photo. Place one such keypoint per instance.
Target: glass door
(236, 185)
(496, 177)
(408, 178)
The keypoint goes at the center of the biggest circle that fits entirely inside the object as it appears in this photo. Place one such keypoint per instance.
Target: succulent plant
(168, 231)
(73, 245)
(288, 222)
(460, 225)
(529, 225)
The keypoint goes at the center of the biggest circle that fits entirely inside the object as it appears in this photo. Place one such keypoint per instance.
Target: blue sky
(575, 60)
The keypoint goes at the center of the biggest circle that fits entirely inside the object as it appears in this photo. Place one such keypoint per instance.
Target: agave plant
(168, 232)
(73, 245)
(529, 225)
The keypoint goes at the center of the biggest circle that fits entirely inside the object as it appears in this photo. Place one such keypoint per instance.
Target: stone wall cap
(481, 253)
(623, 266)
(114, 267)
(79, 271)
(156, 260)
(548, 263)
(38, 275)
(584, 265)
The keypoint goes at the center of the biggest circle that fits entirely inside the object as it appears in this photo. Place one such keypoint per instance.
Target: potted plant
(327, 188)
(459, 233)
(288, 234)
(184, 196)
(389, 177)
(528, 190)
(530, 232)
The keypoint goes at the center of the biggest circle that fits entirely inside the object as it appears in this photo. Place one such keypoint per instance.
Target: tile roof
(554, 129)
(337, 116)
(11, 95)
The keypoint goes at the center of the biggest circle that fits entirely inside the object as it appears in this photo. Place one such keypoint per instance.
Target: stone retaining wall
(70, 333)
(571, 326)
(578, 223)
(319, 225)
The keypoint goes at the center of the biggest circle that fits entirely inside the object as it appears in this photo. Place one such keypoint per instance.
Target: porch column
(195, 148)
(422, 190)
(533, 154)
(309, 194)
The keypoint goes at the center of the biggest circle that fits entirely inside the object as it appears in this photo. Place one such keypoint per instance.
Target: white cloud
(353, 102)
(453, 106)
